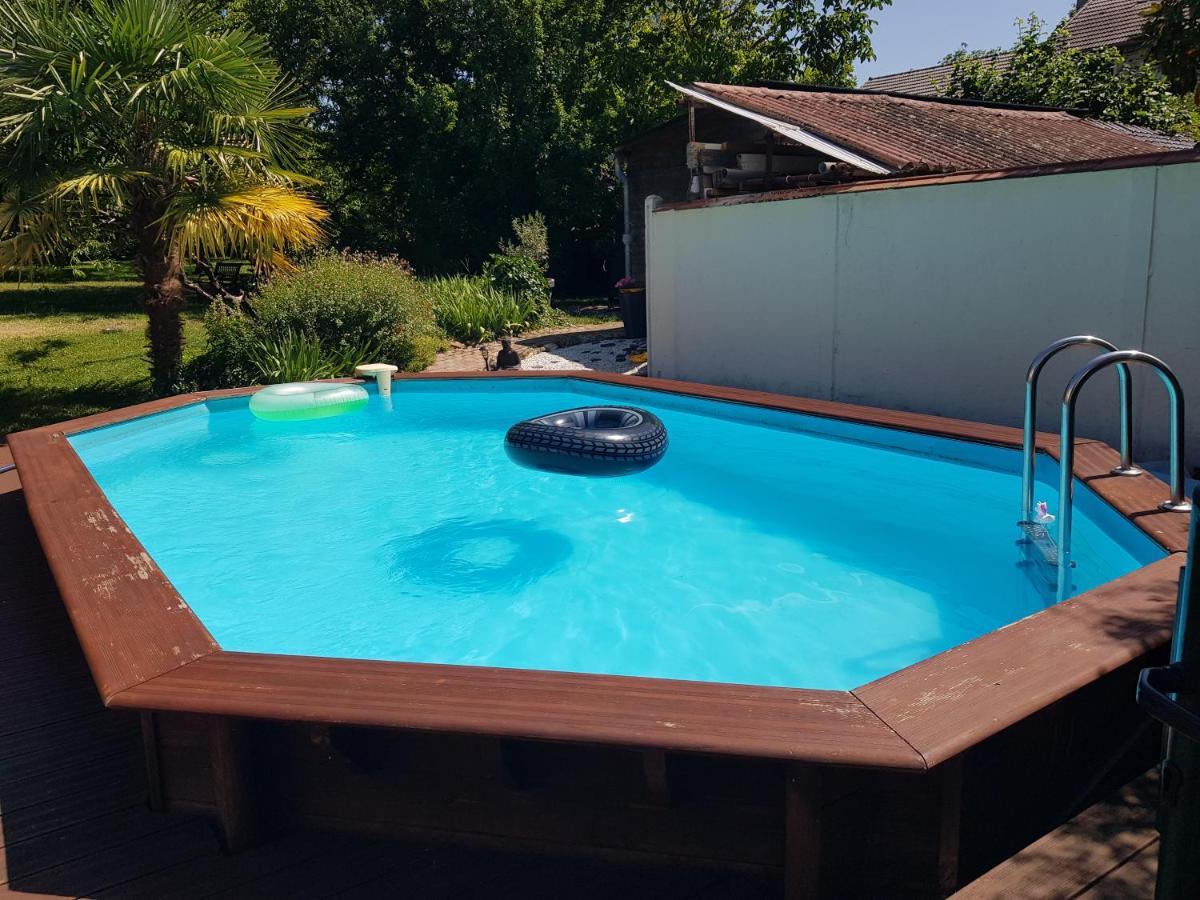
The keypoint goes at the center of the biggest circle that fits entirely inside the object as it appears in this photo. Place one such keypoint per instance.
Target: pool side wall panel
(852, 831)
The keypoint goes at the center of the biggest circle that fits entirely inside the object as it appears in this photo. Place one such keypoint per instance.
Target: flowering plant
(627, 283)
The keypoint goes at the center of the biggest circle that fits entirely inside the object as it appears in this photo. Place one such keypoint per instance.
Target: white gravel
(596, 356)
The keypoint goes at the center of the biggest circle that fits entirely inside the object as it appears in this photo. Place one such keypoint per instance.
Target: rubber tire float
(591, 440)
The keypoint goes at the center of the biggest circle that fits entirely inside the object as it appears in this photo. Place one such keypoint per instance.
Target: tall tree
(1173, 32)
(1043, 71)
(156, 116)
(442, 120)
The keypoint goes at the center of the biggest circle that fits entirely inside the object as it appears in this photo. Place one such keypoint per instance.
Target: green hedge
(342, 301)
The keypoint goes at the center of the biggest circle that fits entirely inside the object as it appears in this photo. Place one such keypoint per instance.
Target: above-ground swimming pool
(807, 642)
(766, 548)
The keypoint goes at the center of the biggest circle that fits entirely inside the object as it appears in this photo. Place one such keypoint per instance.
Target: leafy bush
(300, 357)
(347, 300)
(473, 311)
(521, 276)
(344, 303)
(532, 241)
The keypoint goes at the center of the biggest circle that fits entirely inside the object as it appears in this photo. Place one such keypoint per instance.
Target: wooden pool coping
(148, 651)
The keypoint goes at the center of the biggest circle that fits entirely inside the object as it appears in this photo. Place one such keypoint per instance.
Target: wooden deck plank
(1137, 497)
(205, 876)
(952, 701)
(1108, 850)
(819, 726)
(131, 622)
(173, 842)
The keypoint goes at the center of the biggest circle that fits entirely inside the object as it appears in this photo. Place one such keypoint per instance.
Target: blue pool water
(766, 548)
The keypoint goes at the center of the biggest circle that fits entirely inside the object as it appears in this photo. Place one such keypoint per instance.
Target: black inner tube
(593, 440)
(594, 417)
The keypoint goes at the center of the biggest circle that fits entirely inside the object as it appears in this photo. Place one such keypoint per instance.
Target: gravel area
(596, 356)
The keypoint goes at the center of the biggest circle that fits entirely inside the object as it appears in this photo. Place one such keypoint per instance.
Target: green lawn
(72, 349)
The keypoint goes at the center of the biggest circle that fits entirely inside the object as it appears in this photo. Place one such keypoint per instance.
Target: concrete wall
(934, 299)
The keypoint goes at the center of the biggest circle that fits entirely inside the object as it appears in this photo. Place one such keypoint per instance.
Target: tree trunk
(163, 298)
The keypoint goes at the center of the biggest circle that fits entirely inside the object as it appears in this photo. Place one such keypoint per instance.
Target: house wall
(935, 298)
(657, 164)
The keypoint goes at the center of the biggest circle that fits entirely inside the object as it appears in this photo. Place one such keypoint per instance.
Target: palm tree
(155, 117)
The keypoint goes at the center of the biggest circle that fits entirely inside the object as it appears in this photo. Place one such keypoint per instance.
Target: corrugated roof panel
(907, 131)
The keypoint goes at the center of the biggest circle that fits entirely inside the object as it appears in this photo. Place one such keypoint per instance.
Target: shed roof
(885, 133)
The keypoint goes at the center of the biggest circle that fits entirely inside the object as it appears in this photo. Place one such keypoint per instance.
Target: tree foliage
(155, 117)
(1043, 71)
(442, 120)
(1173, 33)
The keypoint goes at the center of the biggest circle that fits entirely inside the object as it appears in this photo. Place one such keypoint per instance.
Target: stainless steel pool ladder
(1058, 553)
(1178, 502)
(1031, 392)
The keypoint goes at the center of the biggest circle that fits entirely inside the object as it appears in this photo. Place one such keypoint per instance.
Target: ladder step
(1039, 538)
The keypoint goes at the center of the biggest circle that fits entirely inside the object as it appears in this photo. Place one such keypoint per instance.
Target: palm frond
(255, 220)
(180, 160)
(92, 186)
(31, 230)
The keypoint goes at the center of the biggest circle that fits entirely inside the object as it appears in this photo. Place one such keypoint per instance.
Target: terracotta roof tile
(903, 131)
(1106, 23)
(930, 81)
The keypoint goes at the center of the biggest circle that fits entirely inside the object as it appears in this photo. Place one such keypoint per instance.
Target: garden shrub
(532, 240)
(344, 302)
(297, 356)
(520, 276)
(473, 311)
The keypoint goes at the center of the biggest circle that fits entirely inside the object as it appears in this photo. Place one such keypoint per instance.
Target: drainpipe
(620, 162)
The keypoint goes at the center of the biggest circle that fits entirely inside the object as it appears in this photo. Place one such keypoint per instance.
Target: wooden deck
(74, 819)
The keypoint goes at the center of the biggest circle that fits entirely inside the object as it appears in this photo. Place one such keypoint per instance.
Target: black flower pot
(633, 313)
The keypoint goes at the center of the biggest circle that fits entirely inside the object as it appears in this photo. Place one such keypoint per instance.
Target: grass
(72, 349)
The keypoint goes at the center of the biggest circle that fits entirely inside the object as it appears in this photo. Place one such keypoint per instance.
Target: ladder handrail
(1031, 389)
(1066, 454)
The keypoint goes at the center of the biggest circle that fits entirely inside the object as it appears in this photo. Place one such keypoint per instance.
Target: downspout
(620, 162)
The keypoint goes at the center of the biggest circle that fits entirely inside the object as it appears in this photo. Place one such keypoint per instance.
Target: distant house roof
(930, 81)
(886, 133)
(1097, 23)
(1107, 23)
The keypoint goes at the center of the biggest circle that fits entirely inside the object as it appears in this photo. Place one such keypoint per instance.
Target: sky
(915, 33)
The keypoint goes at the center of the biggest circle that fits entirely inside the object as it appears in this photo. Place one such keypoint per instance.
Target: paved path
(612, 355)
(470, 359)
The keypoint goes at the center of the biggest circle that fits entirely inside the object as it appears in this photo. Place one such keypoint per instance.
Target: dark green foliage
(473, 311)
(442, 121)
(532, 240)
(1173, 34)
(344, 302)
(299, 356)
(1099, 82)
(519, 276)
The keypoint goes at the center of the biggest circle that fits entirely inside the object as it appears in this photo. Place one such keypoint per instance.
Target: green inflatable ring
(307, 400)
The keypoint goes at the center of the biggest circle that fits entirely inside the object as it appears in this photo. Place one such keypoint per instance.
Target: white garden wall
(934, 298)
